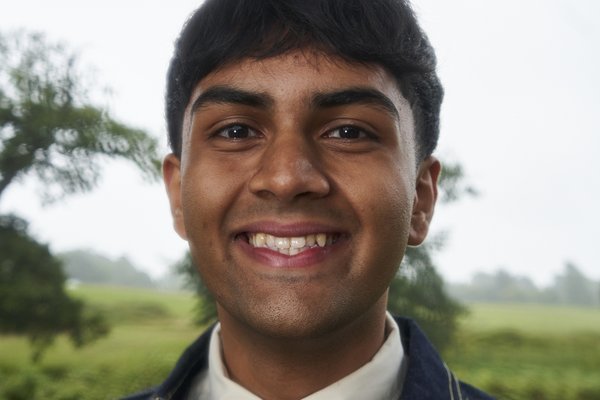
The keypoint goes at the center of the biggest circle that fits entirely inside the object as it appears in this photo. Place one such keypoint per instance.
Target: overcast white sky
(520, 114)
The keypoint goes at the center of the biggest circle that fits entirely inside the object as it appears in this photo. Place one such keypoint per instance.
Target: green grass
(532, 319)
(149, 331)
(130, 359)
(514, 351)
(535, 352)
(113, 299)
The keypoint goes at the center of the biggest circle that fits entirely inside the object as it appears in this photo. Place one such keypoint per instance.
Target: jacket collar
(193, 360)
(427, 377)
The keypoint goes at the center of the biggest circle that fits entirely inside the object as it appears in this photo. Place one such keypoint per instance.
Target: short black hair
(385, 32)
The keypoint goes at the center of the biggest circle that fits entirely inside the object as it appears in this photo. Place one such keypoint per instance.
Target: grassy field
(536, 319)
(525, 351)
(149, 331)
(514, 351)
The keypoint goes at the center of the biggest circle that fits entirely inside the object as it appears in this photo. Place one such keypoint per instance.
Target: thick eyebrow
(356, 95)
(231, 95)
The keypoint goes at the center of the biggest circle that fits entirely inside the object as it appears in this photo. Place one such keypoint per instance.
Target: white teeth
(289, 245)
(321, 239)
(298, 242)
(259, 240)
(282, 243)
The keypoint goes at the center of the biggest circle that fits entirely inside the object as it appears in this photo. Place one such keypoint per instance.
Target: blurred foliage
(499, 286)
(33, 301)
(453, 185)
(206, 309)
(139, 352)
(417, 291)
(87, 266)
(571, 287)
(49, 128)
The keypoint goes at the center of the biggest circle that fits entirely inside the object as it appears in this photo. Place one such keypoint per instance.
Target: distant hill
(89, 267)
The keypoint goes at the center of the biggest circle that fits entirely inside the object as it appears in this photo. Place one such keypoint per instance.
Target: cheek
(206, 197)
(389, 214)
(384, 205)
(203, 200)
(382, 193)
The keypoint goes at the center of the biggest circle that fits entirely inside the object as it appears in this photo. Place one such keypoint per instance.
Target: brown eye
(236, 132)
(347, 132)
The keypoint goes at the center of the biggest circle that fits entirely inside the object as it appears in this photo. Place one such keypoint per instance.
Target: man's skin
(293, 146)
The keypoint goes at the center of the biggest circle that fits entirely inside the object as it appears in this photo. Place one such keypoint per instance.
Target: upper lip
(294, 229)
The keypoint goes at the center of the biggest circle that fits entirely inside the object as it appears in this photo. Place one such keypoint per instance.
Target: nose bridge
(290, 167)
(292, 154)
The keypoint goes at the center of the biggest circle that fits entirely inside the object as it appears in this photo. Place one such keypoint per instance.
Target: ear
(172, 178)
(426, 193)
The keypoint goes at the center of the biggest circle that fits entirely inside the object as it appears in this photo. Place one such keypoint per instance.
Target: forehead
(300, 74)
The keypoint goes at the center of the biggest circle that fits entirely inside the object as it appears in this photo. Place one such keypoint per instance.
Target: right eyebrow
(230, 95)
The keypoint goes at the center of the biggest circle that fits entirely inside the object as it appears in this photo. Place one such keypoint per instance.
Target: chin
(293, 319)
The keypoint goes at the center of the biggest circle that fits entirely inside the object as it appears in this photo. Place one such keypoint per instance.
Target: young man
(302, 134)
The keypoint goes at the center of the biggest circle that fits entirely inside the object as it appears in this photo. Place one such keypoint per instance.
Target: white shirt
(379, 379)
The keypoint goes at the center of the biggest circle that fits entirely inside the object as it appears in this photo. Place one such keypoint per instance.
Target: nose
(290, 169)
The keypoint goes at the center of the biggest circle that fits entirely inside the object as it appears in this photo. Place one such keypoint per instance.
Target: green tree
(206, 309)
(49, 127)
(417, 291)
(34, 302)
(573, 287)
(87, 266)
(500, 286)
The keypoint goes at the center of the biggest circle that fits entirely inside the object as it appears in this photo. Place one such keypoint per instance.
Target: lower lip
(273, 259)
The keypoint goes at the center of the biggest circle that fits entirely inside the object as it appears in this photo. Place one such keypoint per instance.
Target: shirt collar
(379, 379)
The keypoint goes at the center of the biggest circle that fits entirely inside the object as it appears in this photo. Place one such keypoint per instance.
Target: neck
(292, 368)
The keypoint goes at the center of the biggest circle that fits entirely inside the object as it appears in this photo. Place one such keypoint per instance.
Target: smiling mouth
(291, 246)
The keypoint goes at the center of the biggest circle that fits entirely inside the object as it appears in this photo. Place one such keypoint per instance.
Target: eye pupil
(349, 132)
(237, 132)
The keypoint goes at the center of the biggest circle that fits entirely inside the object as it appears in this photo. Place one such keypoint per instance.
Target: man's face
(295, 189)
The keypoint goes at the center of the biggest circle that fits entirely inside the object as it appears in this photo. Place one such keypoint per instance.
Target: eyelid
(219, 130)
(365, 133)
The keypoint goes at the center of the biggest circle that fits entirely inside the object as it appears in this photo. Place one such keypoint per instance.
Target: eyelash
(229, 128)
(362, 133)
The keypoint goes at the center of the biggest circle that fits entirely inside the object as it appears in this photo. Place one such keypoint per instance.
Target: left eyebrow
(355, 95)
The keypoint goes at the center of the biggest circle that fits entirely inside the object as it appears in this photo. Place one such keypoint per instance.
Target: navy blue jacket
(427, 377)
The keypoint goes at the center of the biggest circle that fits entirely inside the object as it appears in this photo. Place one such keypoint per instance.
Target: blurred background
(511, 268)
